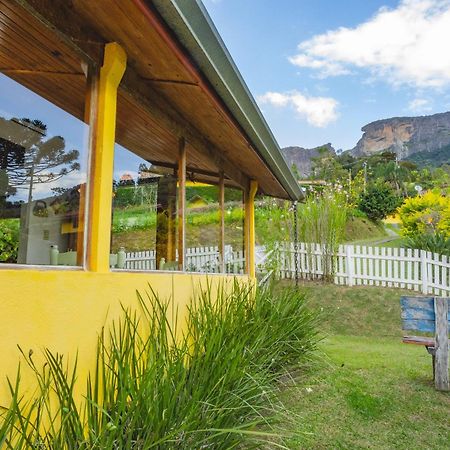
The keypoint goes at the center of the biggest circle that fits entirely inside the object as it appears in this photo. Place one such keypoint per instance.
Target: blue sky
(322, 69)
(20, 102)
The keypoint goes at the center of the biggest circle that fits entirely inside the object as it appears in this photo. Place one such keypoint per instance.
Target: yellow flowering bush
(426, 214)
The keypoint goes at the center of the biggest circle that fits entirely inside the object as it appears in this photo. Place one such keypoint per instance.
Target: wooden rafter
(156, 106)
(220, 146)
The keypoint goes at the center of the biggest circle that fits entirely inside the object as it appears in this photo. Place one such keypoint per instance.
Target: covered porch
(154, 81)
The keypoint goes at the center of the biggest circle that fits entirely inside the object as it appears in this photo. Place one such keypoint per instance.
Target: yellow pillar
(249, 227)
(104, 131)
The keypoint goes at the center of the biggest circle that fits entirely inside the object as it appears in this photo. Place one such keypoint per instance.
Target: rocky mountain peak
(405, 135)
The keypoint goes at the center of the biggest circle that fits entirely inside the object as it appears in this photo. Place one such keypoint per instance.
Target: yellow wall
(65, 310)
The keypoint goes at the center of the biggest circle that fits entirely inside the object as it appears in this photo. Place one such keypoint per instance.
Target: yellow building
(87, 87)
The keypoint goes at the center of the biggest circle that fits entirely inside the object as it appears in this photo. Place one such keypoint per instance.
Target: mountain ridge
(302, 157)
(404, 135)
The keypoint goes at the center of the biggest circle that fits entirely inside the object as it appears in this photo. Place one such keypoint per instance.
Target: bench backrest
(418, 314)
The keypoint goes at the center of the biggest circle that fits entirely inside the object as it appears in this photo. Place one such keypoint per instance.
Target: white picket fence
(354, 265)
(198, 259)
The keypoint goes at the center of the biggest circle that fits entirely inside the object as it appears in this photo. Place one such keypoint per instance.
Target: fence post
(424, 271)
(441, 356)
(349, 254)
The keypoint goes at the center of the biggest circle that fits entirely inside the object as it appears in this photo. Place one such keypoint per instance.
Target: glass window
(144, 224)
(234, 231)
(43, 165)
(203, 229)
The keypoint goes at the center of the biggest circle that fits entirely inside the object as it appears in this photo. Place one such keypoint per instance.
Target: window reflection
(42, 179)
(203, 229)
(145, 220)
(144, 223)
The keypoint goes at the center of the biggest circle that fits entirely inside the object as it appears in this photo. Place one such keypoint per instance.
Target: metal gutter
(191, 24)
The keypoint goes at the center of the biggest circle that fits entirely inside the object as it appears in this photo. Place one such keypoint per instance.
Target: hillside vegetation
(431, 159)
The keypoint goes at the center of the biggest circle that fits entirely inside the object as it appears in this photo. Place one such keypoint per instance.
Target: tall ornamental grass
(214, 385)
(322, 219)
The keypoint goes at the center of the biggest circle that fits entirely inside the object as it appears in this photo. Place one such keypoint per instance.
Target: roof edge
(192, 25)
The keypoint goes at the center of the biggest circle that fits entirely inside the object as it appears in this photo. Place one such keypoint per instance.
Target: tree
(378, 201)
(27, 158)
(326, 166)
(294, 170)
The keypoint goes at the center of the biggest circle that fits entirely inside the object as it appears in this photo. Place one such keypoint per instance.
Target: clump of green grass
(212, 386)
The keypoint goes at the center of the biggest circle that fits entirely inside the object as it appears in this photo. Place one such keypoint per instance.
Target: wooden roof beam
(136, 88)
(52, 13)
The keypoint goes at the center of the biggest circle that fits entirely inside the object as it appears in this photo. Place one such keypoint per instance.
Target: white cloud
(420, 105)
(325, 68)
(318, 111)
(405, 45)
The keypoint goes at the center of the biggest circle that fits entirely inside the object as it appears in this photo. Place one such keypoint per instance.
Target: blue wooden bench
(429, 315)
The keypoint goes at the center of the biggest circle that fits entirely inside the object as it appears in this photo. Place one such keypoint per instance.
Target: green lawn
(369, 390)
(398, 242)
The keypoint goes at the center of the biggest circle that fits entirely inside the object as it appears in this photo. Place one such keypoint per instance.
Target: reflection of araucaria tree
(27, 158)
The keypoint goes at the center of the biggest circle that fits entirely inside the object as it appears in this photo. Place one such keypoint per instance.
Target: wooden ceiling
(162, 97)
(30, 55)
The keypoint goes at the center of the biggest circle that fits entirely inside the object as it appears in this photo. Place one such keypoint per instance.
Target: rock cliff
(302, 157)
(405, 135)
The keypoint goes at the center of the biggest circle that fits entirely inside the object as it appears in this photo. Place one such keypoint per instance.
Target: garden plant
(212, 385)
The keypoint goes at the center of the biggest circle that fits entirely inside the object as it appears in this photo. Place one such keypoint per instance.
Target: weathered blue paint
(418, 314)
(417, 302)
(425, 326)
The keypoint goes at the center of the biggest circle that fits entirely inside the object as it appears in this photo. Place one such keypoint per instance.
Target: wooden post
(222, 221)
(102, 138)
(181, 204)
(165, 214)
(249, 228)
(441, 380)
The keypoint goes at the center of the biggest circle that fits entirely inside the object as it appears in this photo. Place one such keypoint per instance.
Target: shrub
(9, 240)
(213, 386)
(378, 201)
(436, 243)
(426, 214)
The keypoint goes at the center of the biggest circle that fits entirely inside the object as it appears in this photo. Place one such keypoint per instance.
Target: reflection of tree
(27, 158)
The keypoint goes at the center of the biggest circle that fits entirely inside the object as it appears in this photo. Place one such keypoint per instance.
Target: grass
(196, 236)
(363, 230)
(395, 243)
(371, 391)
(213, 386)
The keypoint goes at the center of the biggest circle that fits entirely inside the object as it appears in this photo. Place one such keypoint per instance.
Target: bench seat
(420, 340)
(429, 315)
